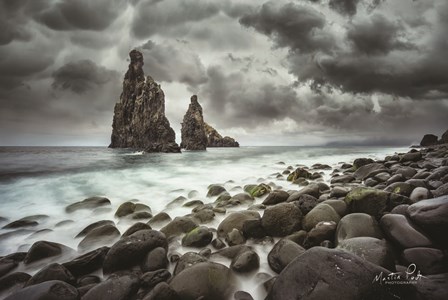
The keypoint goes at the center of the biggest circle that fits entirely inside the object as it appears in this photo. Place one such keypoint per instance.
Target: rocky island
(139, 117)
(197, 134)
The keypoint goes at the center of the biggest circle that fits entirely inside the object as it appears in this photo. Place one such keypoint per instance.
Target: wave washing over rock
(314, 228)
(139, 118)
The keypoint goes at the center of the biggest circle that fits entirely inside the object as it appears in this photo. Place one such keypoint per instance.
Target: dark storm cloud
(344, 6)
(173, 63)
(13, 18)
(82, 76)
(377, 35)
(291, 25)
(80, 14)
(153, 17)
(376, 53)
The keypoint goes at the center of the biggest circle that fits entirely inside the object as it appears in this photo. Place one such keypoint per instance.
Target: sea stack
(139, 118)
(214, 139)
(197, 134)
(193, 129)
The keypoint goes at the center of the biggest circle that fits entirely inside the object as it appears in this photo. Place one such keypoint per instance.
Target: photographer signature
(411, 276)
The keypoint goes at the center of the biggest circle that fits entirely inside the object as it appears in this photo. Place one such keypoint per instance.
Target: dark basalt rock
(89, 203)
(49, 290)
(322, 273)
(43, 249)
(208, 280)
(13, 282)
(429, 140)
(116, 287)
(87, 263)
(52, 272)
(214, 139)
(193, 130)
(162, 291)
(432, 216)
(92, 226)
(131, 250)
(139, 118)
(283, 252)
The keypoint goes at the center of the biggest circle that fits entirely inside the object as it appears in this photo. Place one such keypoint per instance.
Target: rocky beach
(360, 229)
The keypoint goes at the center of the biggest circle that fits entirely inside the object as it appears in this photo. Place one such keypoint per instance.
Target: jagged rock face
(139, 118)
(193, 130)
(214, 139)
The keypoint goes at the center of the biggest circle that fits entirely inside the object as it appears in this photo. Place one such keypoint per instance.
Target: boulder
(257, 190)
(357, 225)
(432, 287)
(87, 263)
(405, 172)
(363, 172)
(429, 140)
(20, 224)
(338, 192)
(299, 173)
(432, 216)
(105, 235)
(159, 219)
(338, 205)
(247, 261)
(322, 273)
(131, 250)
(139, 117)
(342, 179)
(419, 193)
(236, 220)
(193, 129)
(136, 227)
(283, 252)
(11, 283)
(155, 260)
(179, 226)
(215, 190)
(162, 291)
(429, 261)
(411, 157)
(376, 251)
(89, 203)
(198, 237)
(43, 249)
(322, 212)
(187, 260)
(282, 219)
(151, 279)
(306, 203)
(359, 162)
(321, 232)
(441, 190)
(276, 197)
(49, 290)
(400, 188)
(92, 226)
(253, 229)
(367, 200)
(53, 271)
(403, 233)
(235, 237)
(208, 280)
(115, 287)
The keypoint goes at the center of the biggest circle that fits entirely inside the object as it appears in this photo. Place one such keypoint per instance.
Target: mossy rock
(257, 190)
(198, 237)
(299, 173)
(367, 200)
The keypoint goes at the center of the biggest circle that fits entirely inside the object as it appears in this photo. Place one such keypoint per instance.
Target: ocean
(44, 180)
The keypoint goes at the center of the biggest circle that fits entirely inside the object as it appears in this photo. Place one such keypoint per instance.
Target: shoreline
(280, 230)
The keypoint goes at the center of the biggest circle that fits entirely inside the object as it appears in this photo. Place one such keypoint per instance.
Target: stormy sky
(303, 72)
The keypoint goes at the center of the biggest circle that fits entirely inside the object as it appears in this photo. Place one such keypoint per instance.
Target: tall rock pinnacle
(193, 130)
(197, 134)
(139, 118)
